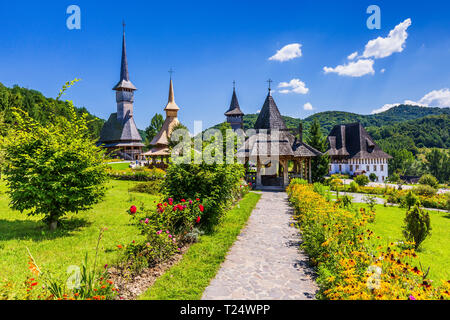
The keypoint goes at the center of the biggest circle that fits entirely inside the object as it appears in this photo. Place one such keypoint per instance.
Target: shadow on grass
(39, 231)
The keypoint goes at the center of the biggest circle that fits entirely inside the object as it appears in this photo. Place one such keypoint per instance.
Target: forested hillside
(39, 107)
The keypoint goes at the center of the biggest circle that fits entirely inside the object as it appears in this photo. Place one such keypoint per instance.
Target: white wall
(374, 166)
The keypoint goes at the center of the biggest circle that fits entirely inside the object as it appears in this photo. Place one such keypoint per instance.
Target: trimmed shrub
(361, 180)
(151, 187)
(373, 177)
(417, 225)
(425, 190)
(429, 180)
(217, 185)
(353, 187)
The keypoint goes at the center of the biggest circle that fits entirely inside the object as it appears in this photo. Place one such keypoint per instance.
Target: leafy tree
(401, 161)
(3, 133)
(373, 177)
(438, 164)
(55, 168)
(362, 180)
(429, 180)
(320, 164)
(155, 126)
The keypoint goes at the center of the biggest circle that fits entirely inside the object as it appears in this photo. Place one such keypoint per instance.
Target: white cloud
(288, 52)
(308, 106)
(259, 111)
(353, 55)
(293, 86)
(382, 70)
(435, 98)
(353, 69)
(394, 42)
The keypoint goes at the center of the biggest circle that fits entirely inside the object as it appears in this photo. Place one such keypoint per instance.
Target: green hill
(39, 107)
(404, 126)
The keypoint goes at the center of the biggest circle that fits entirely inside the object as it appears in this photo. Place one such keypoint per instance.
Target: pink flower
(411, 297)
(170, 236)
(167, 231)
(190, 201)
(146, 221)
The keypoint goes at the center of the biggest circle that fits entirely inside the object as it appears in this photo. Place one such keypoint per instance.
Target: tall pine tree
(320, 164)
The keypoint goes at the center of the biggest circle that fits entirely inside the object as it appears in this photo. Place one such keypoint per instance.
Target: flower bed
(349, 261)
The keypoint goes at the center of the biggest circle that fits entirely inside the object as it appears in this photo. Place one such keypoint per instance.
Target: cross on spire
(234, 84)
(123, 25)
(270, 84)
(171, 72)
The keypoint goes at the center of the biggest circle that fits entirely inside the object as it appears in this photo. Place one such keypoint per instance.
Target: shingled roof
(270, 117)
(116, 132)
(284, 144)
(277, 140)
(353, 141)
(234, 109)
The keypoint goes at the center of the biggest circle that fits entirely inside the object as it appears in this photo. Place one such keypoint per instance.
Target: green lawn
(189, 278)
(119, 166)
(435, 250)
(55, 251)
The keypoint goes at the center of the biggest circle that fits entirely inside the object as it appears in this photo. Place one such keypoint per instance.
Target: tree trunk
(53, 225)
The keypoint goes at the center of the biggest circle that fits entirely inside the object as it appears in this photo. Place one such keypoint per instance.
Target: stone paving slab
(265, 261)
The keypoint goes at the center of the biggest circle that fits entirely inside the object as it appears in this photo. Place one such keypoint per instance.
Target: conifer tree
(320, 164)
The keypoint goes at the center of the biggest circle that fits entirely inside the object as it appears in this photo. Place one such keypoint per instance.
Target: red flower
(198, 219)
(197, 199)
(119, 246)
(201, 207)
(133, 209)
(183, 200)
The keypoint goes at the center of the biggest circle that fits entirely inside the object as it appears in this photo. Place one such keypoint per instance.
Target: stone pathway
(265, 261)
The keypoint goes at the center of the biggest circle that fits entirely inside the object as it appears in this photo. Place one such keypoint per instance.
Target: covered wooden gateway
(273, 148)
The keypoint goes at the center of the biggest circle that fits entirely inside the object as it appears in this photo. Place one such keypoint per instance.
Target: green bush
(429, 180)
(409, 200)
(298, 181)
(151, 187)
(218, 186)
(320, 189)
(417, 225)
(373, 177)
(362, 180)
(425, 190)
(353, 187)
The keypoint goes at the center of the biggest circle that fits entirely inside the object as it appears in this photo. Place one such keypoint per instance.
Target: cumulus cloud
(394, 42)
(293, 86)
(353, 55)
(288, 52)
(353, 69)
(308, 106)
(435, 98)
(383, 70)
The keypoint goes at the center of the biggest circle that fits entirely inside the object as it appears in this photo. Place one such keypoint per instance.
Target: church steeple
(234, 114)
(124, 88)
(124, 82)
(171, 107)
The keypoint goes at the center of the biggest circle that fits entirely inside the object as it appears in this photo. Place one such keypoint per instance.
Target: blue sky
(211, 43)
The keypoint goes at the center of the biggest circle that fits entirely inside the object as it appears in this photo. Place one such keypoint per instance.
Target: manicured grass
(119, 166)
(434, 251)
(55, 251)
(189, 278)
